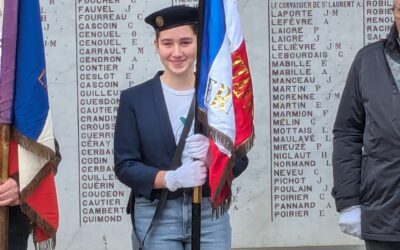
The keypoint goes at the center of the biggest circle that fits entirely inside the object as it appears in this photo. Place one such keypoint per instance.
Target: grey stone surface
(92, 202)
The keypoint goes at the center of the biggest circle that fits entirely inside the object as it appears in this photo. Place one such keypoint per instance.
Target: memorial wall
(299, 54)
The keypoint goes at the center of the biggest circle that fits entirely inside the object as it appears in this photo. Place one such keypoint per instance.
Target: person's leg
(167, 234)
(135, 241)
(215, 233)
(19, 228)
(381, 245)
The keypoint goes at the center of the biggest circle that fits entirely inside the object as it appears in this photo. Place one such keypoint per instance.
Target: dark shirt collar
(392, 42)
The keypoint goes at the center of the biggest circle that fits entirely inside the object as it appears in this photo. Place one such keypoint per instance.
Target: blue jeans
(173, 230)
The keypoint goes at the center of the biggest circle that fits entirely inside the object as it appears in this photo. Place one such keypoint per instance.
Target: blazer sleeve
(240, 166)
(348, 133)
(129, 167)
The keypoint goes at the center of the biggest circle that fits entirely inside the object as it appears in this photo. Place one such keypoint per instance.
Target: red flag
(225, 94)
(32, 144)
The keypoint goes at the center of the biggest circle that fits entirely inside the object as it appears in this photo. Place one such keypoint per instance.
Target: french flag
(225, 95)
(24, 105)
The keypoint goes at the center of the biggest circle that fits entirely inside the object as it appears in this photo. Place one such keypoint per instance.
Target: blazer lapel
(163, 118)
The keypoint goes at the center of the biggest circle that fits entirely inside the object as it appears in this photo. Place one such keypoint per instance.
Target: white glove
(350, 221)
(189, 174)
(197, 147)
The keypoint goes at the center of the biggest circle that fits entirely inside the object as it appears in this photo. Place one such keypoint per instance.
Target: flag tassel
(222, 209)
(245, 147)
(34, 147)
(49, 244)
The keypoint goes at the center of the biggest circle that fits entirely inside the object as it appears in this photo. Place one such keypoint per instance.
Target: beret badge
(159, 21)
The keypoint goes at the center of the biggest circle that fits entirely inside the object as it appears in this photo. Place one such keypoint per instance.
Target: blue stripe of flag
(213, 37)
(31, 104)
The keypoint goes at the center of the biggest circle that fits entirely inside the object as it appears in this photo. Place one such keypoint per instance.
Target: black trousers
(382, 245)
(19, 228)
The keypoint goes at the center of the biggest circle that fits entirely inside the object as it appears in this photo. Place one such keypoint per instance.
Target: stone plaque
(299, 53)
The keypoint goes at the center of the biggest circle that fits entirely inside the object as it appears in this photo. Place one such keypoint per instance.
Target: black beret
(171, 17)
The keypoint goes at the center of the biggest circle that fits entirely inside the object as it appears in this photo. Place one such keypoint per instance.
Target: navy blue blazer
(144, 142)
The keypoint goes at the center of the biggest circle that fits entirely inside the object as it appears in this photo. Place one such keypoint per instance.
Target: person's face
(396, 12)
(177, 48)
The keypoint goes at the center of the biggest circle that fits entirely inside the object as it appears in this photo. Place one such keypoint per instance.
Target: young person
(149, 123)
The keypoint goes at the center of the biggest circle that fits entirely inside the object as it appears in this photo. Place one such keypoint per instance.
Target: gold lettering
(241, 77)
(241, 85)
(224, 93)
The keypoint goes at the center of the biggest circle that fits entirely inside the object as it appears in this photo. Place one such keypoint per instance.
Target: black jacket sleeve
(240, 166)
(348, 143)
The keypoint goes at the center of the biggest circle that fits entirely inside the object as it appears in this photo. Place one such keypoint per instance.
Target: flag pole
(197, 191)
(4, 150)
